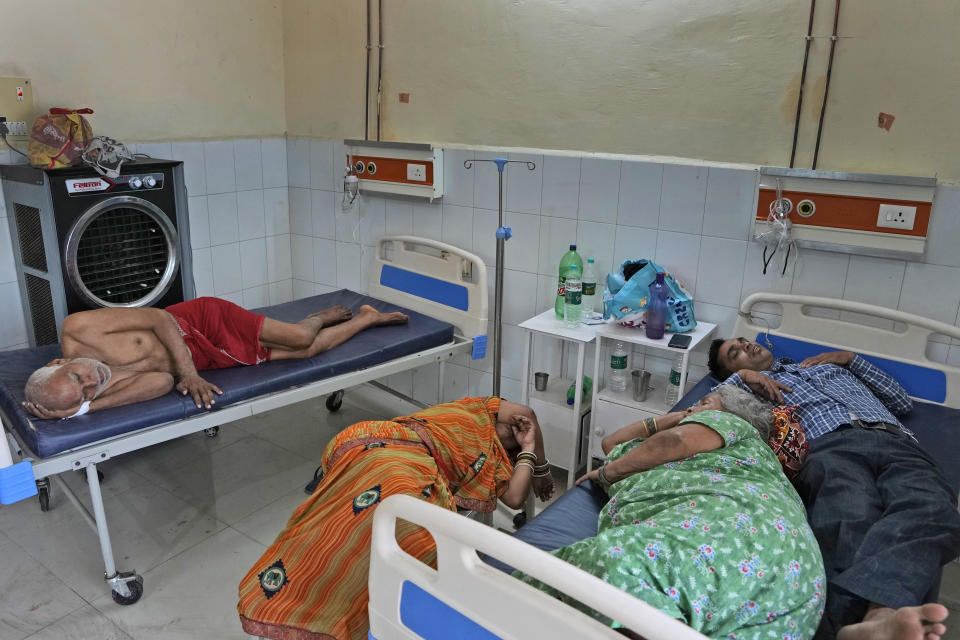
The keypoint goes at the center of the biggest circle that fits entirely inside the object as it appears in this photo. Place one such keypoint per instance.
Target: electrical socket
(895, 216)
(17, 129)
(417, 172)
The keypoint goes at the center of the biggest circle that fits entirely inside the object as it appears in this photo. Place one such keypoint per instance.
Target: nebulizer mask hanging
(351, 185)
(778, 235)
(351, 193)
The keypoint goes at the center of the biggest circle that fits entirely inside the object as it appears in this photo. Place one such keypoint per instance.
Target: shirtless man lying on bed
(117, 356)
(884, 515)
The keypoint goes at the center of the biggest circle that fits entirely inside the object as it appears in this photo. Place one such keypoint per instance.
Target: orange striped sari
(311, 583)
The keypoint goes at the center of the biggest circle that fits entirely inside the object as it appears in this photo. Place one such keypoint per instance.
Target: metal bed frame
(425, 259)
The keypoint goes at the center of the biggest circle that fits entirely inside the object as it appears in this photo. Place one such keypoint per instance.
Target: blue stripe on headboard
(448, 293)
(433, 619)
(919, 382)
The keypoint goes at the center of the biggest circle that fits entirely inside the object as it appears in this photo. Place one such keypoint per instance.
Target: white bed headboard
(435, 278)
(901, 350)
(410, 600)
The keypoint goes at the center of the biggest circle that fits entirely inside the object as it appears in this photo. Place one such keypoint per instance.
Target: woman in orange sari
(311, 584)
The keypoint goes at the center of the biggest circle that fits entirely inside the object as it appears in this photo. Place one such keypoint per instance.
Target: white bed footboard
(435, 278)
(467, 598)
(905, 343)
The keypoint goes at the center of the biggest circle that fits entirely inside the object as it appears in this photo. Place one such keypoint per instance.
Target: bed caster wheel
(212, 432)
(520, 519)
(134, 586)
(335, 401)
(43, 495)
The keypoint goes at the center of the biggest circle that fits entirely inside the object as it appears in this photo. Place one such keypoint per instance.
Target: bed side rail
(438, 279)
(906, 342)
(408, 599)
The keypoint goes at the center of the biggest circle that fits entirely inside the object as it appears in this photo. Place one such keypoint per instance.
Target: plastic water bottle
(589, 289)
(656, 317)
(617, 377)
(673, 382)
(572, 298)
(569, 259)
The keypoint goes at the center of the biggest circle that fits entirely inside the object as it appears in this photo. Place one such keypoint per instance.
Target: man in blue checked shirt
(884, 515)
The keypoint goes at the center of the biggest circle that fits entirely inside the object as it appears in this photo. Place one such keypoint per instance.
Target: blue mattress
(374, 346)
(573, 516)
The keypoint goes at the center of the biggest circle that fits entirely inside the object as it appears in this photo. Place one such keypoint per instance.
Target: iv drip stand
(503, 234)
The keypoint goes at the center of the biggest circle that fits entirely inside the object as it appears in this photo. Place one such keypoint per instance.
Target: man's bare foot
(377, 318)
(907, 623)
(333, 315)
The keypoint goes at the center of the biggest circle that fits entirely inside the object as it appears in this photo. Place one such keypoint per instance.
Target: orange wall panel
(845, 212)
(394, 170)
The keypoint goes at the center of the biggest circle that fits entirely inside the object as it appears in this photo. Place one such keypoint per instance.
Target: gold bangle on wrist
(650, 424)
(523, 463)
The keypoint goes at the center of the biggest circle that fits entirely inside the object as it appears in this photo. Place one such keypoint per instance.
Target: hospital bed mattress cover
(374, 346)
(573, 516)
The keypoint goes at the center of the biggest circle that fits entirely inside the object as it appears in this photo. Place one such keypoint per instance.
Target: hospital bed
(442, 289)
(407, 597)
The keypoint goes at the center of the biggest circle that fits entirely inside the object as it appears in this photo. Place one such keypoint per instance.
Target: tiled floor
(191, 516)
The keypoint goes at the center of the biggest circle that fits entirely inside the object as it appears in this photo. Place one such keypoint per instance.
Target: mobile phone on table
(679, 341)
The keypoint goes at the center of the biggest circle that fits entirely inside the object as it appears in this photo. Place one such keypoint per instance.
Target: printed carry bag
(625, 298)
(58, 138)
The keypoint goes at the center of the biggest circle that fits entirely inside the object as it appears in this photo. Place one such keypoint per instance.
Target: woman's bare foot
(907, 623)
(377, 318)
(333, 315)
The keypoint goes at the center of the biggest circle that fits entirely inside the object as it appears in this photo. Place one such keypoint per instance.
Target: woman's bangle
(541, 474)
(602, 479)
(523, 463)
(650, 424)
(527, 455)
(542, 467)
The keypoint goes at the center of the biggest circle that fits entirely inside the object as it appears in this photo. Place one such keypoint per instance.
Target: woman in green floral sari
(703, 525)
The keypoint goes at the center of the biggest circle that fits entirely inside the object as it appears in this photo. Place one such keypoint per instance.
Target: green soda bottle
(569, 259)
(587, 389)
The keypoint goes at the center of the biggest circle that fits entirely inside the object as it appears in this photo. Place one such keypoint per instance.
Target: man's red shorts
(219, 333)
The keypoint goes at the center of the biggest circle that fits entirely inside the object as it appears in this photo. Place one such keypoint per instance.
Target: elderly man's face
(75, 382)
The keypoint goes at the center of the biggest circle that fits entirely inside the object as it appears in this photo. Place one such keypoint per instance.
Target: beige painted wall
(699, 79)
(168, 70)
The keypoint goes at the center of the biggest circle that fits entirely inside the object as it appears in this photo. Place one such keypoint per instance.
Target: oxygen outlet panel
(866, 214)
(396, 168)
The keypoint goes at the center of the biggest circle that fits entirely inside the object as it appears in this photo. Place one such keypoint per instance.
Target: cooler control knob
(598, 431)
(150, 182)
(135, 183)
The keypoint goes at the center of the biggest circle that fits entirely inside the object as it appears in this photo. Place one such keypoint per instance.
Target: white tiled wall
(267, 226)
(693, 220)
(239, 217)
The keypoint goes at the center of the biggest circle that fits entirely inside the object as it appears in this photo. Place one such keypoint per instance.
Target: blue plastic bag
(626, 300)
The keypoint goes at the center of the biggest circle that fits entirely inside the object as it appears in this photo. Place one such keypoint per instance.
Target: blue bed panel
(920, 382)
(442, 291)
(374, 346)
(433, 619)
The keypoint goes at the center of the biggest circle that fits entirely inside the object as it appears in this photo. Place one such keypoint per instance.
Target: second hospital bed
(442, 289)
(477, 598)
